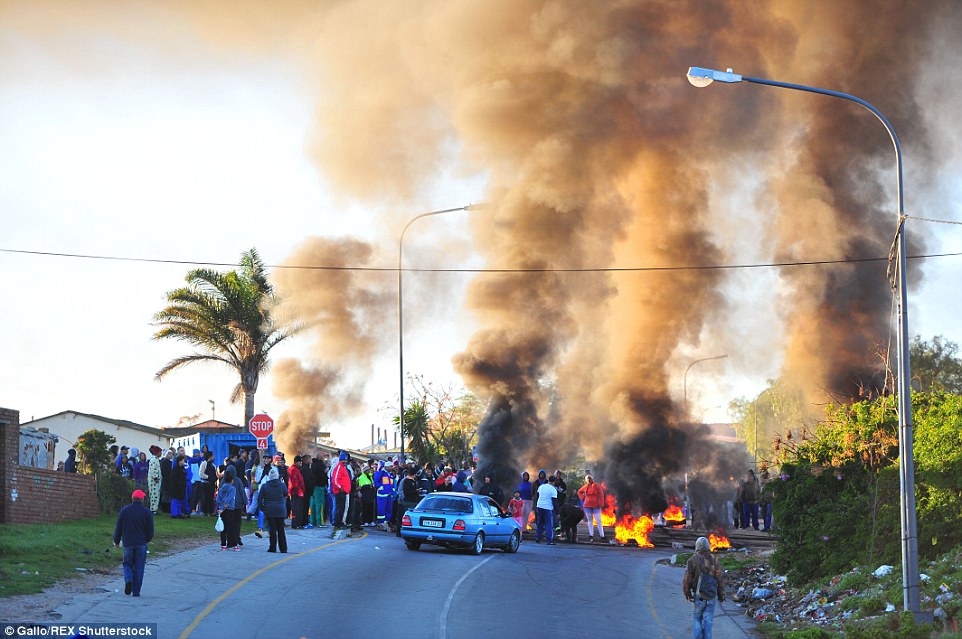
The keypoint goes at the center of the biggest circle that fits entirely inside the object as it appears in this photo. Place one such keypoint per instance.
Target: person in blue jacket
(384, 485)
(135, 528)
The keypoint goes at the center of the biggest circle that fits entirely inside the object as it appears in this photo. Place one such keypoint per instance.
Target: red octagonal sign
(261, 425)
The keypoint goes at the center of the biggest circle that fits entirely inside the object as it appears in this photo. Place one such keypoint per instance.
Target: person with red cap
(135, 528)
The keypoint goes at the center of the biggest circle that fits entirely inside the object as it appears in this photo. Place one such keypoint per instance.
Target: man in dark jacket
(70, 464)
(307, 474)
(410, 495)
(491, 489)
(570, 517)
(135, 528)
(272, 500)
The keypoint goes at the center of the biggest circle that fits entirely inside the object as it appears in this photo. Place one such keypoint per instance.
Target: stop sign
(261, 426)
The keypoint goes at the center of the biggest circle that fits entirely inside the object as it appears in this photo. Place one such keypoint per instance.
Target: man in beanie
(135, 528)
(704, 581)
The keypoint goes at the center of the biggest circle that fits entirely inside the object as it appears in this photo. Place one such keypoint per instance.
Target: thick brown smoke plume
(599, 154)
(346, 314)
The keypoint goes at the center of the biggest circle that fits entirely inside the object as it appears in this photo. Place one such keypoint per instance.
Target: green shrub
(891, 626)
(113, 491)
(811, 633)
(871, 605)
(836, 500)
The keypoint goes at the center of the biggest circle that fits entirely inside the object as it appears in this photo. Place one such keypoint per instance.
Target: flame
(627, 527)
(638, 529)
(718, 541)
(608, 513)
(531, 521)
(674, 516)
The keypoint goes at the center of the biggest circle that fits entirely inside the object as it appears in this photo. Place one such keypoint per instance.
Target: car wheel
(514, 543)
(413, 545)
(478, 544)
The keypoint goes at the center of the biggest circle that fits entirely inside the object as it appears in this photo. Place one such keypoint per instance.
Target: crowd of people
(340, 492)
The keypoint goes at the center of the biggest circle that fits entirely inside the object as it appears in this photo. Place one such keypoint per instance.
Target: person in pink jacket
(593, 498)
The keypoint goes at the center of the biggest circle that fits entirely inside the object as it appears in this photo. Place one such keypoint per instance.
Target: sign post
(261, 427)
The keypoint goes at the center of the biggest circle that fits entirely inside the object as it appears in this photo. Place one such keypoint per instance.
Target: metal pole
(400, 306)
(704, 359)
(910, 551)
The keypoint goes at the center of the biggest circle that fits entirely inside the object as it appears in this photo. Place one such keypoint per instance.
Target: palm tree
(417, 430)
(229, 317)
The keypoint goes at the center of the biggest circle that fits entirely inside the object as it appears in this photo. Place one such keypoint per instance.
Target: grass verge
(36, 556)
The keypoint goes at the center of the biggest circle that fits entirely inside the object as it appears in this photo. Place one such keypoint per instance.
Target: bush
(836, 501)
(113, 491)
(891, 626)
(811, 633)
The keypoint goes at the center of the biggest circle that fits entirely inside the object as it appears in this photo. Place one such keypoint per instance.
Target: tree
(441, 422)
(935, 365)
(229, 317)
(93, 448)
(777, 411)
(416, 431)
(836, 497)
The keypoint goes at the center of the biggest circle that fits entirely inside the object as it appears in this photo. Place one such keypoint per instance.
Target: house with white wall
(70, 424)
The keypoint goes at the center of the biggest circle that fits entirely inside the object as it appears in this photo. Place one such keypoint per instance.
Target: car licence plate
(432, 523)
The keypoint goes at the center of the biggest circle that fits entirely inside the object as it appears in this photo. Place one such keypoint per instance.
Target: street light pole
(685, 381)
(400, 304)
(910, 555)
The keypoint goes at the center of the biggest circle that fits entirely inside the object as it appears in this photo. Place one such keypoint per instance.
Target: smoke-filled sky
(313, 131)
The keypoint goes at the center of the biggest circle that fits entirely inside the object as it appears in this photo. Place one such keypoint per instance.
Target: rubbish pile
(858, 594)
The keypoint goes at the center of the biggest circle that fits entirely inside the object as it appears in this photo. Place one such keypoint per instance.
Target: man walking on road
(703, 582)
(135, 527)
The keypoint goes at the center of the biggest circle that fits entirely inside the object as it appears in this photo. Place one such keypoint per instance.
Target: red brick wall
(38, 495)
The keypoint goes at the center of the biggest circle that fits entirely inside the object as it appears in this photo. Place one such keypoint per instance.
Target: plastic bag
(219, 526)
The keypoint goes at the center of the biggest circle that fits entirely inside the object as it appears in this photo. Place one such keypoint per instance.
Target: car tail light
(459, 524)
(406, 520)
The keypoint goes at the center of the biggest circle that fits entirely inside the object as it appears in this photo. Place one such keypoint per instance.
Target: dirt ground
(40, 607)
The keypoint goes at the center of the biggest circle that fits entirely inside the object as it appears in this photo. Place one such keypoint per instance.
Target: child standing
(516, 508)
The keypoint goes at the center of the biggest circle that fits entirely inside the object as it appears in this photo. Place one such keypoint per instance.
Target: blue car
(460, 520)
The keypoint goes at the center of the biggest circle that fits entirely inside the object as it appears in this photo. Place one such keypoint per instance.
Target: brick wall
(38, 495)
(9, 454)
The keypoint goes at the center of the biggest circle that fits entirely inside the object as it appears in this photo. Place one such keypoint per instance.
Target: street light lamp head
(701, 78)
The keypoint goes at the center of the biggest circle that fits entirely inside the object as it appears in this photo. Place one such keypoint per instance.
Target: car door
(495, 523)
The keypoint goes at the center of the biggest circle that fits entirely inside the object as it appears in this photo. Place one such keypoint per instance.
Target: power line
(392, 269)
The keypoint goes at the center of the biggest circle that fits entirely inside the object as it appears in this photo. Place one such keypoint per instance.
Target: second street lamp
(400, 305)
(700, 77)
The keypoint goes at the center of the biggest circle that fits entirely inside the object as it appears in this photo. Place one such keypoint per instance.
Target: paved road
(372, 585)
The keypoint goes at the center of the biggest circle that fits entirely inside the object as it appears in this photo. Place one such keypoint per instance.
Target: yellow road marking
(210, 607)
(651, 604)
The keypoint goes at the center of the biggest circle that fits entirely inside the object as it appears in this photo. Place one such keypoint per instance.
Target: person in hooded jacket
(227, 507)
(179, 508)
(460, 485)
(308, 477)
(426, 478)
(524, 490)
(384, 493)
(593, 499)
(365, 485)
(295, 486)
(272, 500)
(319, 496)
(341, 488)
(491, 489)
(538, 483)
